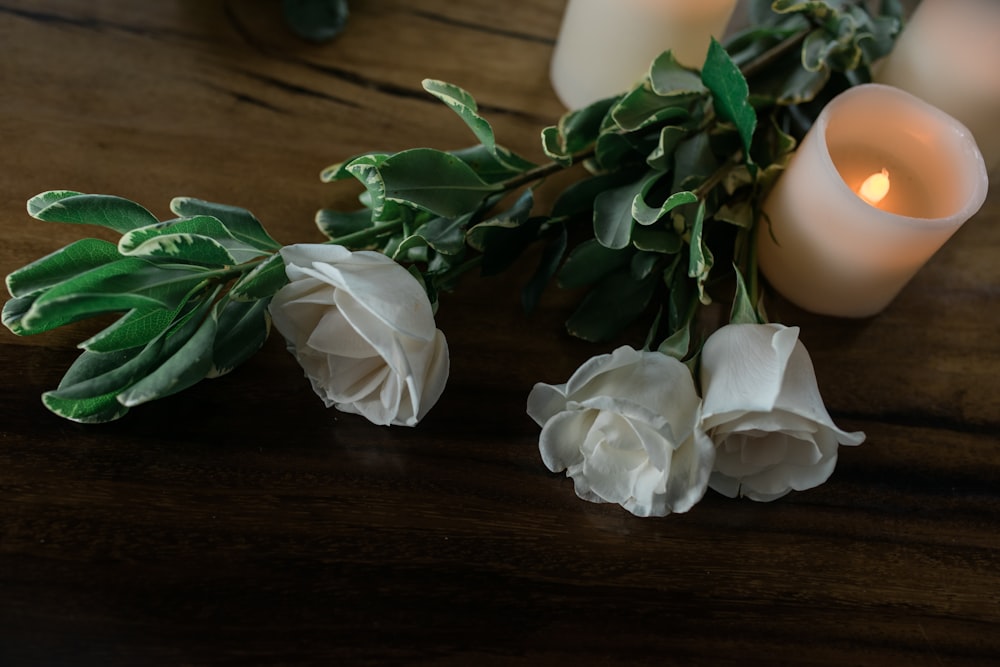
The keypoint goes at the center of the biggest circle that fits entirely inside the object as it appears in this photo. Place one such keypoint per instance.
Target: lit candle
(878, 184)
(605, 46)
(949, 55)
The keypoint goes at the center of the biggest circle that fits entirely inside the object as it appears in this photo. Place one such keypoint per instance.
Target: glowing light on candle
(875, 187)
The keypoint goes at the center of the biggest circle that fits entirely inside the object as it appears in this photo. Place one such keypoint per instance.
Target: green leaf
(96, 374)
(435, 181)
(263, 281)
(803, 86)
(109, 211)
(191, 363)
(670, 138)
(700, 260)
(613, 215)
(89, 391)
(578, 198)
(463, 104)
(137, 327)
(657, 240)
(645, 214)
(642, 107)
(694, 162)
(66, 263)
(677, 344)
(365, 169)
(335, 224)
(95, 410)
(552, 145)
(241, 223)
(820, 9)
(611, 306)
(576, 131)
(14, 311)
(177, 247)
(484, 162)
(119, 286)
(589, 262)
(479, 236)
(43, 200)
(730, 93)
(613, 150)
(743, 311)
(340, 171)
(548, 265)
(504, 237)
(445, 235)
(643, 264)
(243, 327)
(668, 78)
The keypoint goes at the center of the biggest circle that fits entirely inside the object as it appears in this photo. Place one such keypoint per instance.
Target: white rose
(363, 330)
(625, 429)
(764, 412)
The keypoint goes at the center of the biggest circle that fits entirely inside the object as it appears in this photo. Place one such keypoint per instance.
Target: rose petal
(545, 401)
(561, 439)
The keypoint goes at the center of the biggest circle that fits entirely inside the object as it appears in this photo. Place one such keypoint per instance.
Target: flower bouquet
(658, 231)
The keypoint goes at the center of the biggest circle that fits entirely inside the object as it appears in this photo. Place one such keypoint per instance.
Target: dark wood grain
(241, 523)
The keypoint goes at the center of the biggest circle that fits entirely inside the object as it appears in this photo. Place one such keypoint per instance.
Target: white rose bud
(764, 412)
(625, 429)
(362, 329)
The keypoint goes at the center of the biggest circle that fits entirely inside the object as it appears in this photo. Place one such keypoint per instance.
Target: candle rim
(969, 149)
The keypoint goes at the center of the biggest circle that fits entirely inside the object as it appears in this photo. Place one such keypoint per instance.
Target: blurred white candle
(605, 46)
(949, 55)
(878, 184)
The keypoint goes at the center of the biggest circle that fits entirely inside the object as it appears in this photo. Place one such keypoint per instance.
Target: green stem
(363, 237)
(545, 170)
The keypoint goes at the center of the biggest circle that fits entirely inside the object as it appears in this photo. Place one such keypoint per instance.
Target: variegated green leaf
(335, 224)
(433, 180)
(66, 263)
(613, 215)
(241, 223)
(109, 211)
(589, 262)
(186, 248)
(119, 286)
(92, 410)
(242, 330)
(464, 105)
(263, 281)
(190, 364)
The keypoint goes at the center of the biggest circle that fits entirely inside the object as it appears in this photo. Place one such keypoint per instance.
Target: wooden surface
(241, 523)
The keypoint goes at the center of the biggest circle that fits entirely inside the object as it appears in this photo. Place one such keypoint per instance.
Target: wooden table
(241, 523)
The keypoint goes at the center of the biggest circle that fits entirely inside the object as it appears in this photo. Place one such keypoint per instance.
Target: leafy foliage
(659, 225)
(164, 280)
(676, 169)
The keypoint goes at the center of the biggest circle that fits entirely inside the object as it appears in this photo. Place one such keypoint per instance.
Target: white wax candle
(949, 55)
(821, 243)
(605, 46)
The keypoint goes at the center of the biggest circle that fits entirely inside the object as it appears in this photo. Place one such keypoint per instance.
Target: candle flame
(875, 188)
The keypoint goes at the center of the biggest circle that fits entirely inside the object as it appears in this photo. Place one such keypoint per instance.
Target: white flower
(362, 328)
(764, 412)
(625, 429)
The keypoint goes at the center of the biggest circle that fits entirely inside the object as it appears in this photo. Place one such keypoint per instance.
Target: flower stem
(363, 237)
(545, 170)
